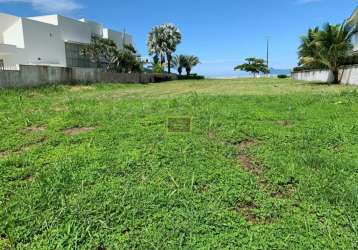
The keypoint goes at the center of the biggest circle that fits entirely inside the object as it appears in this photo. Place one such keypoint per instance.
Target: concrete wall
(29, 76)
(313, 76)
(347, 75)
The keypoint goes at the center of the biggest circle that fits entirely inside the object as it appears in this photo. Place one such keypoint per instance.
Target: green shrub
(191, 77)
(282, 76)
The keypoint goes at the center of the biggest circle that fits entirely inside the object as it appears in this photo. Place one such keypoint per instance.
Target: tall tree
(163, 41)
(334, 42)
(154, 45)
(254, 66)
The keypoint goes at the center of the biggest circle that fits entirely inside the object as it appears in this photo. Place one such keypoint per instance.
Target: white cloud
(307, 1)
(49, 5)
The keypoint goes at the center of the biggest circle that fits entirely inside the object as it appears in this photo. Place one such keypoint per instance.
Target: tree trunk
(335, 76)
(180, 71)
(169, 59)
(188, 71)
(162, 61)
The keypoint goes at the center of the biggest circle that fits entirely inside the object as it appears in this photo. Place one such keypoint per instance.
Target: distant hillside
(280, 71)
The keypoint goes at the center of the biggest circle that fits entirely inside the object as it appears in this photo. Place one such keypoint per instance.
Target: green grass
(269, 164)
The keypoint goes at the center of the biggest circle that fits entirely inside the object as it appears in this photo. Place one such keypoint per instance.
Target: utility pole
(124, 38)
(267, 52)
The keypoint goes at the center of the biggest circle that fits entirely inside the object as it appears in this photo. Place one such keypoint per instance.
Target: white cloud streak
(307, 1)
(48, 6)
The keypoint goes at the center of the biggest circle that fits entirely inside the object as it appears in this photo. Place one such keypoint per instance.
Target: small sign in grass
(179, 124)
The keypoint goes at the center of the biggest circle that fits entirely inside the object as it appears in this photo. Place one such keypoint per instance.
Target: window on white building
(74, 57)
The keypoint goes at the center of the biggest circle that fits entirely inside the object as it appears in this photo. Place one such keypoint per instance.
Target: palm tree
(307, 51)
(334, 42)
(190, 62)
(162, 42)
(179, 63)
(154, 45)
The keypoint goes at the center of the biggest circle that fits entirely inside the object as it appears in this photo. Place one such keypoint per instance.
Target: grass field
(269, 164)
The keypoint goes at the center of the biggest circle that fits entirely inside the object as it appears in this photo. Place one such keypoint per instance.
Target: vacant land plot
(268, 164)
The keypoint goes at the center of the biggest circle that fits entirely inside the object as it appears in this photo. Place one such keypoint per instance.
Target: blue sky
(222, 33)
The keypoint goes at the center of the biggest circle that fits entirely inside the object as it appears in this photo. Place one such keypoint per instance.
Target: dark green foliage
(282, 76)
(106, 55)
(130, 47)
(191, 77)
(101, 51)
(254, 66)
(156, 68)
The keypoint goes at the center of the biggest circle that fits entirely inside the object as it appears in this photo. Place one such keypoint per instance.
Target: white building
(50, 40)
(354, 21)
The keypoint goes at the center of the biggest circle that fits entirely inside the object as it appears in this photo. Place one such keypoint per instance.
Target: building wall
(355, 41)
(117, 37)
(50, 19)
(347, 75)
(6, 22)
(13, 35)
(41, 40)
(75, 31)
(43, 43)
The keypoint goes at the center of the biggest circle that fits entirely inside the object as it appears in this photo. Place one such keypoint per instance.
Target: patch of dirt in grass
(246, 144)
(4, 153)
(35, 129)
(247, 162)
(283, 192)
(35, 94)
(77, 130)
(285, 189)
(81, 87)
(22, 149)
(249, 165)
(284, 123)
(211, 135)
(246, 210)
(60, 109)
(28, 177)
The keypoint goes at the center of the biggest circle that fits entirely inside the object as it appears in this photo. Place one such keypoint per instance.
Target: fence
(347, 75)
(29, 75)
